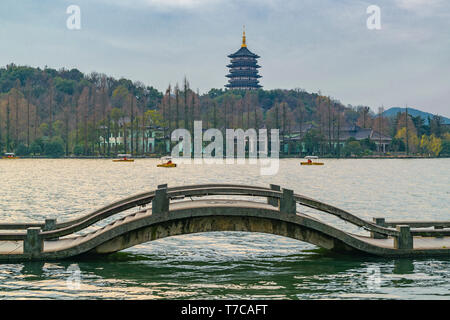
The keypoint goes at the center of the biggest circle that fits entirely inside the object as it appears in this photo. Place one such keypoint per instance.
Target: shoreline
(281, 157)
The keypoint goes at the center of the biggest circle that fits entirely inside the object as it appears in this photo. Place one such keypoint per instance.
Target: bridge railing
(284, 199)
(51, 229)
(379, 228)
(75, 225)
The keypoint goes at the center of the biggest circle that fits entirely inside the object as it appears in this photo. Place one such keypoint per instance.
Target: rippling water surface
(231, 265)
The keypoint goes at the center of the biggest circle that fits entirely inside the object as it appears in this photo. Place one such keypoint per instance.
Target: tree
(312, 141)
(1, 136)
(445, 148)
(16, 110)
(435, 145)
(364, 119)
(424, 145)
(397, 145)
(44, 129)
(35, 147)
(50, 104)
(28, 93)
(8, 127)
(186, 109)
(22, 150)
(169, 109)
(177, 106)
(116, 114)
(339, 117)
(409, 139)
(367, 144)
(55, 148)
(436, 125)
(419, 123)
(132, 99)
(78, 150)
(353, 148)
(64, 85)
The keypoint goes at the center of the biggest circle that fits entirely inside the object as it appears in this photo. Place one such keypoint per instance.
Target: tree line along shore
(65, 113)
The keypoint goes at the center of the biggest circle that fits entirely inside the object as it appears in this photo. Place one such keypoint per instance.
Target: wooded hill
(55, 112)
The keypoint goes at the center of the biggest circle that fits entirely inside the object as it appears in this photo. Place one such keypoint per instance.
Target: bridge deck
(220, 207)
(277, 215)
(420, 243)
(16, 247)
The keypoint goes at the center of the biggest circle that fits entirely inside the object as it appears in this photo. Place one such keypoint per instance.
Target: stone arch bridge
(172, 211)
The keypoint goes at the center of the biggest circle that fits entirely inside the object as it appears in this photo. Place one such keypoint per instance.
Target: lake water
(228, 265)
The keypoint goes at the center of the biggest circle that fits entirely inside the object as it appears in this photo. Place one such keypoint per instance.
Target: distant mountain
(392, 112)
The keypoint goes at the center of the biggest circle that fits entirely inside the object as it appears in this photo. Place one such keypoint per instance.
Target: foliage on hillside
(56, 112)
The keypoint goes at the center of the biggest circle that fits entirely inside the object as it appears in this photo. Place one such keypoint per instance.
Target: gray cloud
(313, 44)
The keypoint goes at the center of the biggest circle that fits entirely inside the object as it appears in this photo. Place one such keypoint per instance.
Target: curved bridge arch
(232, 216)
(189, 217)
(278, 215)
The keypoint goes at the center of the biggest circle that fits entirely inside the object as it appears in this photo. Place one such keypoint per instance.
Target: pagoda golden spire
(243, 39)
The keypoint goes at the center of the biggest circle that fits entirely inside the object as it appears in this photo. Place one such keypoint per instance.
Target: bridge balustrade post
(160, 203)
(404, 240)
(50, 224)
(274, 201)
(162, 186)
(287, 202)
(379, 222)
(33, 243)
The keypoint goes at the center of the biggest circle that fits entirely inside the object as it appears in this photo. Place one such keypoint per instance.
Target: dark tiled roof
(243, 52)
(376, 136)
(345, 133)
(357, 133)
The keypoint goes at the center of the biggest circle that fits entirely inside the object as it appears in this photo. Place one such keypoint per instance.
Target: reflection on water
(232, 265)
(403, 266)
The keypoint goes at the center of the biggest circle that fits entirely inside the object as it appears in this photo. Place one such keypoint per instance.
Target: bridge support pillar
(274, 201)
(33, 244)
(160, 203)
(287, 202)
(404, 239)
(379, 222)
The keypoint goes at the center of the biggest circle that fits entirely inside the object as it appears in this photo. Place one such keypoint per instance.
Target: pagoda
(243, 69)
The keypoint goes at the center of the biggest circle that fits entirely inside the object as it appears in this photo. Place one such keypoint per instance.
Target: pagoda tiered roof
(243, 52)
(243, 69)
(241, 84)
(243, 73)
(235, 64)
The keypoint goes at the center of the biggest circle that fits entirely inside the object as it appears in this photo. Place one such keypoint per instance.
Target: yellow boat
(166, 162)
(125, 158)
(9, 155)
(167, 165)
(310, 161)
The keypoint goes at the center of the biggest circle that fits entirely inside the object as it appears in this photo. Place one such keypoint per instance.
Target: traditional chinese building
(243, 69)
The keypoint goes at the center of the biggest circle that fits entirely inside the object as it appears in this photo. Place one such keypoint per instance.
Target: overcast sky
(310, 44)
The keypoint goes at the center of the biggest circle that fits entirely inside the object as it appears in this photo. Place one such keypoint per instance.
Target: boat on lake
(311, 161)
(10, 155)
(166, 162)
(124, 158)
